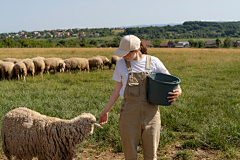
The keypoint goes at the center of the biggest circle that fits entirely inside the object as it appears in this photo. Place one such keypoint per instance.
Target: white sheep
(7, 69)
(14, 60)
(27, 134)
(114, 60)
(53, 63)
(106, 61)
(39, 65)
(20, 70)
(62, 65)
(76, 63)
(30, 66)
(95, 62)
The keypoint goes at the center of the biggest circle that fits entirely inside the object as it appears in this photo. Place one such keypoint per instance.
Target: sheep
(76, 63)
(62, 65)
(14, 60)
(53, 63)
(7, 69)
(114, 60)
(106, 61)
(39, 65)
(27, 134)
(95, 62)
(30, 66)
(20, 70)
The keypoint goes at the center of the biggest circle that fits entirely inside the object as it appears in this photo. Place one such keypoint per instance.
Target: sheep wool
(53, 63)
(106, 61)
(39, 65)
(76, 63)
(95, 62)
(114, 59)
(14, 60)
(27, 134)
(30, 66)
(20, 70)
(7, 69)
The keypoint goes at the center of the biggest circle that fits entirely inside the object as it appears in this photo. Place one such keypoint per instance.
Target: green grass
(205, 116)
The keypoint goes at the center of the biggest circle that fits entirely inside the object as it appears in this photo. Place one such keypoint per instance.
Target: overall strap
(148, 64)
(129, 68)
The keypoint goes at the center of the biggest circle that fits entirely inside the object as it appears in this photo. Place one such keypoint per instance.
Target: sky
(33, 15)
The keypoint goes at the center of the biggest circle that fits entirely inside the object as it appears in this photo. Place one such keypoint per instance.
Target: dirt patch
(170, 152)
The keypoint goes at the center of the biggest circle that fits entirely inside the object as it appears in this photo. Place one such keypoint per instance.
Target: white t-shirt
(121, 73)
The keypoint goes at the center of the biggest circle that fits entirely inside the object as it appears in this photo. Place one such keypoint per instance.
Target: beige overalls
(139, 119)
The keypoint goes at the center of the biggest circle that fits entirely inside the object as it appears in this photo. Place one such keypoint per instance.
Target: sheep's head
(85, 122)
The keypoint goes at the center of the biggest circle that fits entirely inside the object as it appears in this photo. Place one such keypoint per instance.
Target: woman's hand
(103, 118)
(174, 94)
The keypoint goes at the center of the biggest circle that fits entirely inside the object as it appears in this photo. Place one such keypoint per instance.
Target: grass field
(205, 116)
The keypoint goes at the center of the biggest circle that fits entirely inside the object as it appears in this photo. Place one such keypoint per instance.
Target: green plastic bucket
(159, 85)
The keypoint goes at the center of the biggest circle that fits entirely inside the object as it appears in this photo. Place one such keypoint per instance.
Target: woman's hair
(143, 48)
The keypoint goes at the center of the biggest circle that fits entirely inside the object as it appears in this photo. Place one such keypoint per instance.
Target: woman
(139, 119)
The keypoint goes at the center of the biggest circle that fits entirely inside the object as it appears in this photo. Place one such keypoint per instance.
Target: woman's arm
(103, 117)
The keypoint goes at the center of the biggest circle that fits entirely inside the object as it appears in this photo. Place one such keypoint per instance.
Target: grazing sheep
(61, 65)
(27, 134)
(53, 63)
(7, 69)
(106, 61)
(14, 60)
(39, 65)
(30, 66)
(76, 63)
(20, 70)
(95, 62)
(114, 59)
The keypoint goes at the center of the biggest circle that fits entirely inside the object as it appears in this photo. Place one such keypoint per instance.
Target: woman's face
(130, 56)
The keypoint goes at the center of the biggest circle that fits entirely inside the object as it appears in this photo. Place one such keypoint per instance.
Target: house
(164, 45)
(82, 34)
(75, 35)
(170, 44)
(211, 43)
(67, 34)
(24, 36)
(99, 45)
(96, 34)
(237, 44)
(148, 43)
(234, 43)
(184, 43)
(90, 34)
(179, 45)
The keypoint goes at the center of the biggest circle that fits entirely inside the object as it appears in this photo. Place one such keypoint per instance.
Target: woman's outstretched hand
(103, 118)
(174, 94)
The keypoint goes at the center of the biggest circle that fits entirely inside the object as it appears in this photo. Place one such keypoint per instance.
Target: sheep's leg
(24, 79)
(3, 75)
(18, 77)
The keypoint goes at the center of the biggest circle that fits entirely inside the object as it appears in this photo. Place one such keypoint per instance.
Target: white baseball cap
(128, 43)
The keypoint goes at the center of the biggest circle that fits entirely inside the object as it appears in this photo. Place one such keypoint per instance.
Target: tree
(201, 44)
(83, 40)
(227, 42)
(156, 42)
(176, 41)
(219, 42)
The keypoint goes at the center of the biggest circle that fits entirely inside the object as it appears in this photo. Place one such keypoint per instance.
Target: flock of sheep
(12, 67)
(27, 134)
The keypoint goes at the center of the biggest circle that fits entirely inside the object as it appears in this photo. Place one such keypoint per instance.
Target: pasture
(205, 117)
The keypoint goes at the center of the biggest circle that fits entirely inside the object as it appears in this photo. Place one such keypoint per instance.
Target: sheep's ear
(97, 124)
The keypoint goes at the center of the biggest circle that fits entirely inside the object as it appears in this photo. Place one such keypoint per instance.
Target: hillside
(110, 37)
